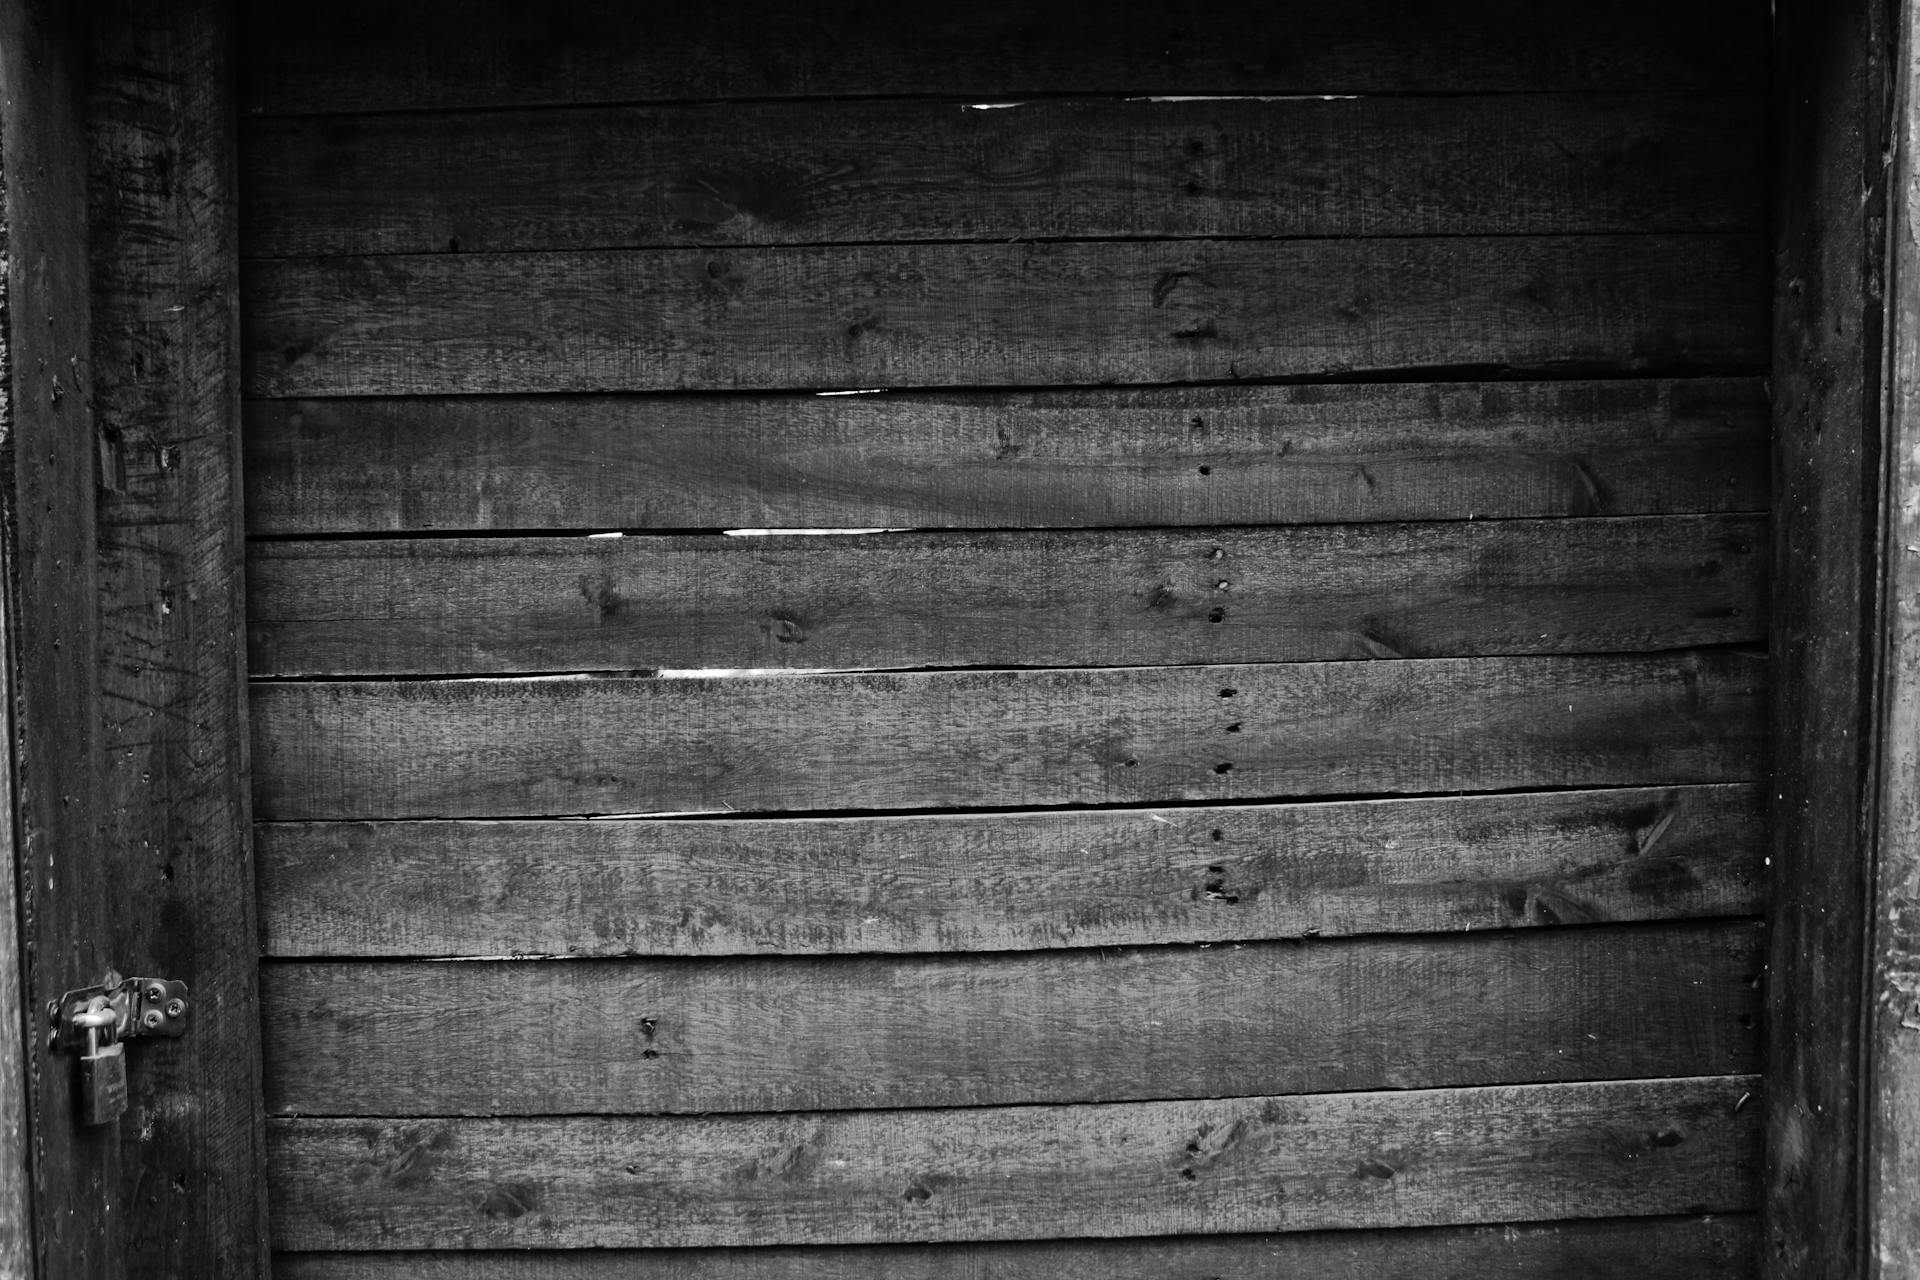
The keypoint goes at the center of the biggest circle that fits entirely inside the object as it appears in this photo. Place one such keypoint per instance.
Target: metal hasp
(95, 1022)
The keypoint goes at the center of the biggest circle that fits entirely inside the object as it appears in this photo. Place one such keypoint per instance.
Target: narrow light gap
(1024, 96)
(1069, 393)
(999, 530)
(831, 816)
(1731, 231)
(1010, 956)
(1062, 1104)
(1757, 648)
(1166, 806)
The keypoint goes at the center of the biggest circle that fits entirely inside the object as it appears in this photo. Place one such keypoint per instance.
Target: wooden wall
(1276, 789)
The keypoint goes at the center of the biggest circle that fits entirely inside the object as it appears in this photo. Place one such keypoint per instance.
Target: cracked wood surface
(1418, 1158)
(543, 1037)
(1086, 457)
(956, 882)
(1000, 314)
(1039, 599)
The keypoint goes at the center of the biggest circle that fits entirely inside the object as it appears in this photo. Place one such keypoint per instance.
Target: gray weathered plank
(173, 822)
(1834, 96)
(999, 314)
(1036, 599)
(61, 869)
(1158, 456)
(825, 172)
(365, 55)
(604, 1037)
(955, 882)
(557, 746)
(1714, 1247)
(1424, 1158)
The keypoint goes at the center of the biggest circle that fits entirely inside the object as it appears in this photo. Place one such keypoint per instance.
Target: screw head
(176, 1007)
(156, 992)
(151, 1019)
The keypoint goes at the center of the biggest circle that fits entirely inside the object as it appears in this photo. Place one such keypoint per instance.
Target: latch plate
(141, 1006)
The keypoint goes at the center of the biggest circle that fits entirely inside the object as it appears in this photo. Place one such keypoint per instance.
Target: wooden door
(1264, 777)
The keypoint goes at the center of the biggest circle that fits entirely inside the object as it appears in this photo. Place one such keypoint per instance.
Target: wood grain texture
(603, 1037)
(174, 818)
(1008, 881)
(1890, 1121)
(547, 747)
(47, 490)
(827, 172)
(1718, 1247)
(1830, 205)
(1162, 456)
(999, 314)
(1422, 1158)
(368, 56)
(903, 600)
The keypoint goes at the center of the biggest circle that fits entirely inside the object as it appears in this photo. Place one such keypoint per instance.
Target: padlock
(103, 1067)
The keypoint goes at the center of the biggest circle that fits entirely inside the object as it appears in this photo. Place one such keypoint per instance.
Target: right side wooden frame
(1842, 1195)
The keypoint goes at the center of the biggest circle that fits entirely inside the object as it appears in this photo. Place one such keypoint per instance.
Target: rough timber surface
(1161, 456)
(1032, 599)
(1708, 1247)
(604, 1037)
(368, 55)
(69, 1173)
(1830, 202)
(1009, 881)
(1053, 313)
(825, 172)
(173, 739)
(1421, 1158)
(563, 746)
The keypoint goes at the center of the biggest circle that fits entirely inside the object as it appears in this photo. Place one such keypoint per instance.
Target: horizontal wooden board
(602, 1037)
(826, 172)
(559, 746)
(1008, 881)
(1424, 1158)
(1000, 314)
(1159, 456)
(1082, 598)
(368, 55)
(1719, 1247)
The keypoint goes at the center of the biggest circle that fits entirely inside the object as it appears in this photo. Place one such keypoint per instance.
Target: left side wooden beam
(172, 746)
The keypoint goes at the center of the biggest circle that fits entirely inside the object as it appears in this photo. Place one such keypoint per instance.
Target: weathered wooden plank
(1890, 1120)
(1085, 598)
(1830, 211)
(173, 820)
(828, 1034)
(366, 55)
(999, 314)
(823, 172)
(507, 748)
(1423, 1158)
(1717, 1247)
(47, 488)
(1008, 881)
(1159, 456)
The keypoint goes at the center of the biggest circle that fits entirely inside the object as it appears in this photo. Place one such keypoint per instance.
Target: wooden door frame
(126, 409)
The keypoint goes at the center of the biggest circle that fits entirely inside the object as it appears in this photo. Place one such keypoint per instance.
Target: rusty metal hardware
(96, 1022)
(141, 1007)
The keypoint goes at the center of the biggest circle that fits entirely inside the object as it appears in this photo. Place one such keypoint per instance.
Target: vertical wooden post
(1890, 1120)
(47, 468)
(173, 743)
(1844, 970)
